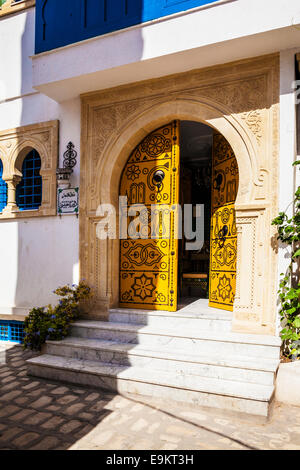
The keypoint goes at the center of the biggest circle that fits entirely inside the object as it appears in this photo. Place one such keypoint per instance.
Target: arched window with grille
(3, 189)
(29, 190)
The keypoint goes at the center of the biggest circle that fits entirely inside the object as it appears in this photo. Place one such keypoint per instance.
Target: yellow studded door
(223, 237)
(149, 248)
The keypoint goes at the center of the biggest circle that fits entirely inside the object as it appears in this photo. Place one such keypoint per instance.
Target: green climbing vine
(289, 287)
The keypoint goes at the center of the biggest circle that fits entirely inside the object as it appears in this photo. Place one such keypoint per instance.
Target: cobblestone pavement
(43, 414)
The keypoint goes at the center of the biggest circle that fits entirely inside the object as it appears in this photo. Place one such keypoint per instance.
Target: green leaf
(296, 322)
(290, 311)
(296, 254)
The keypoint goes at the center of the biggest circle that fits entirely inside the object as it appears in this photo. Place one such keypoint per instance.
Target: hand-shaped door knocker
(222, 236)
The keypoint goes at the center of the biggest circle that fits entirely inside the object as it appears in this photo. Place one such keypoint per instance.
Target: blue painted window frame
(29, 190)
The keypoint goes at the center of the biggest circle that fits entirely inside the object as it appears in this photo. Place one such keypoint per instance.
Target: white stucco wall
(40, 253)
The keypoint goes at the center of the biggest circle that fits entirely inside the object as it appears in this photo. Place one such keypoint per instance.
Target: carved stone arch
(4, 158)
(124, 139)
(21, 151)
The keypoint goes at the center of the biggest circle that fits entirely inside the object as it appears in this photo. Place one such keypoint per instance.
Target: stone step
(189, 340)
(249, 369)
(200, 391)
(213, 320)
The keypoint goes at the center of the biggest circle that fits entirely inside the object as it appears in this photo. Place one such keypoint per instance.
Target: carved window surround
(15, 144)
(11, 6)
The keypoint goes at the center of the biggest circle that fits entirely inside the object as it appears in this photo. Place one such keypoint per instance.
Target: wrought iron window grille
(29, 190)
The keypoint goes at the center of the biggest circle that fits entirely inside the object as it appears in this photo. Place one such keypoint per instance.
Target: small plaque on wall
(68, 201)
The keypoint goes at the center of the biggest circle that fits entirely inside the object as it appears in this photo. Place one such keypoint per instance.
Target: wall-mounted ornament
(69, 162)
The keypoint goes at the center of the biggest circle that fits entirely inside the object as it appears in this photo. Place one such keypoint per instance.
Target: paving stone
(65, 400)
(21, 416)
(47, 443)
(17, 363)
(120, 442)
(10, 396)
(37, 418)
(86, 416)
(84, 431)
(8, 379)
(54, 408)
(53, 423)
(21, 400)
(10, 433)
(142, 444)
(79, 391)
(74, 409)
(139, 425)
(120, 402)
(70, 426)
(22, 374)
(153, 427)
(31, 385)
(25, 439)
(172, 439)
(169, 446)
(60, 390)
(180, 430)
(10, 386)
(99, 406)
(92, 397)
(36, 393)
(42, 402)
(136, 408)
(9, 410)
(5, 373)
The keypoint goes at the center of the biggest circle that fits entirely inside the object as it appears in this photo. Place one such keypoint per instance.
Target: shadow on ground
(43, 414)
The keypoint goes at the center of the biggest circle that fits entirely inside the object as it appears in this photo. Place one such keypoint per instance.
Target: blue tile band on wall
(59, 23)
(3, 189)
(12, 331)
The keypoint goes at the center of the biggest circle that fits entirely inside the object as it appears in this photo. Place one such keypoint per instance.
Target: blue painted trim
(59, 23)
(29, 190)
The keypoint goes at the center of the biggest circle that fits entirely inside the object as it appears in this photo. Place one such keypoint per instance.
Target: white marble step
(249, 369)
(185, 318)
(190, 340)
(203, 391)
